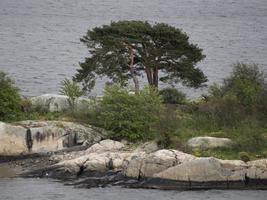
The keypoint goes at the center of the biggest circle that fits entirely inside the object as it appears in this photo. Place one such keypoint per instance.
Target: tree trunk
(152, 76)
(155, 77)
(135, 80)
(149, 76)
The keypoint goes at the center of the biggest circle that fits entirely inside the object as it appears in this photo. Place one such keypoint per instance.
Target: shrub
(242, 95)
(249, 136)
(264, 154)
(9, 99)
(172, 96)
(246, 83)
(130, 116)
(72, 90)
(26, 105)
(244, 156)
(167, 127)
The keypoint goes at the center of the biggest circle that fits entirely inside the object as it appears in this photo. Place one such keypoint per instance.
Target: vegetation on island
(236, 108)
(72, 90)
(9, 98)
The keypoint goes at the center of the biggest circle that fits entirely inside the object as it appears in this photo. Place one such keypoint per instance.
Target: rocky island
(82, 156)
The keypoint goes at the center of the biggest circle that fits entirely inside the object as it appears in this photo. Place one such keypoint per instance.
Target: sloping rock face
(105, 145)
(148, 147)
(206, 170)
(110, 155)
(43, 136)
(102, 146)
(57, 103)
(12, 139)
(257, 169)
(146, 165)
(204, 143)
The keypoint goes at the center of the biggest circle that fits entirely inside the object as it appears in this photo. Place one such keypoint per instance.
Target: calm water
(39, 39)
(33, 189)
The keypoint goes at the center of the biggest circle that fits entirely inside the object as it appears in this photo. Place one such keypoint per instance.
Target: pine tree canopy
(129, 49)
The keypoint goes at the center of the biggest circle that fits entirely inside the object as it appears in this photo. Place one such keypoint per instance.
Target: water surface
(45, 189)
(39, 39)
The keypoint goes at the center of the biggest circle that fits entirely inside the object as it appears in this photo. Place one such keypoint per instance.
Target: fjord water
(42, 189)
(39, 39)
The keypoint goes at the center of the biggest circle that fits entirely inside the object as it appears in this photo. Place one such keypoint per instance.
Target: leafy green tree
(72, 90)
(129, 49)
(9, 99)
(130, 116)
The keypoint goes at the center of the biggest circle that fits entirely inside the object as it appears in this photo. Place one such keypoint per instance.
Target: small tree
(72, 90)
(9, 99)
(128, 49)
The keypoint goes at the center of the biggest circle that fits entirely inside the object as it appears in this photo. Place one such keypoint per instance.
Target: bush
(244, 156)
(9, 99)
(26, 105)
(249, 136)
(172, 96)
(167, 128)
(264, 154)
(130, 116)
(242, 95)
(246, 83)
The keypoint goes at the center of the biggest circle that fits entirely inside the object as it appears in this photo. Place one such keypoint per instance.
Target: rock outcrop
(12, 139)
(204, 143)
(206, 170)
(257, 169)
(145, 165)
(57, 103)
(111, 155)
(44, 136)
(148, 147)
(113, 163)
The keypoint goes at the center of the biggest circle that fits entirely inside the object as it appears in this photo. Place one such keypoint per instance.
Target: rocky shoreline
(88, 159)
(111, 163)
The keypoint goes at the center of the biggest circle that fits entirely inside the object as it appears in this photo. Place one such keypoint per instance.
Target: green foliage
(155, 47)
(72, 90)
(172, 96)
(26, 105)
(9, 99)
(167, 126)
(242, 95)
(130, 116)
(244, 156)
(264, 154)
(249, 135)
(246, 83)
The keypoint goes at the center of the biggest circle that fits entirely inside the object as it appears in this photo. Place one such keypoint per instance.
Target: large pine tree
(128, 49)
